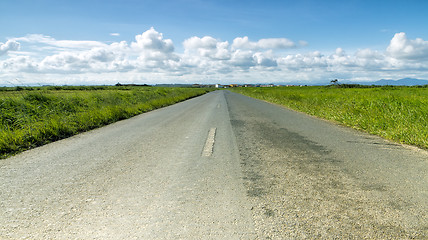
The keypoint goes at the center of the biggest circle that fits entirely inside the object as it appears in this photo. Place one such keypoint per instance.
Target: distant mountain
(382, 82)
(400, 82)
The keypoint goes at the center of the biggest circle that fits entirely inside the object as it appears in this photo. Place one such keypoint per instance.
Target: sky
(102, 42)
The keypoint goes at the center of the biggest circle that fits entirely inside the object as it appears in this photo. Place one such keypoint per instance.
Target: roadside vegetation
(396, 113)
(33, 116)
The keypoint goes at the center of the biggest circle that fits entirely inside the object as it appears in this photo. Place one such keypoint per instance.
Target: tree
(334, 81)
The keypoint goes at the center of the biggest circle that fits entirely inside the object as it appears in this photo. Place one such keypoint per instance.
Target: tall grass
(396, 113)
(31, 117)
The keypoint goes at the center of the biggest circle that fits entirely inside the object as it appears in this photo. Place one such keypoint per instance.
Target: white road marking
(209, 144)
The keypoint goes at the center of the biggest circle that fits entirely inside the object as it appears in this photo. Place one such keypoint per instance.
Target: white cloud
(10, 45)
(242, 58)
(93, 60)
(268, 43)
(18, 64)
(115, 34)
(311, 60)
(155, 52)
(206, 42)
(369, 54)
(153, 57)
(208, 52)
(207, 46)
(266, 59)
(62, 44)
(401, 47)
(153, 40)
(63, 62)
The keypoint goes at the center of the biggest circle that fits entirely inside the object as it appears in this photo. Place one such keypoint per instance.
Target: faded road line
(209, 144)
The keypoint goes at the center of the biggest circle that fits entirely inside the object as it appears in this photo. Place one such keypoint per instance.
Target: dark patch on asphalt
(297, 153)
(269, 212)
(302, 189)
(257, 189)
(287, 140)
(301, 153)
(237, 123)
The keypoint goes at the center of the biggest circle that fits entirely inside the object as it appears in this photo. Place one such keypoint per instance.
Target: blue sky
(95, 41)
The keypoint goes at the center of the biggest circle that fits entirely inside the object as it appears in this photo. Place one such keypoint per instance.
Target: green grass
(30, 117)
(396, 113)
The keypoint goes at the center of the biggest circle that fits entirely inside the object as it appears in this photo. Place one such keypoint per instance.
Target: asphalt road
(220, 166)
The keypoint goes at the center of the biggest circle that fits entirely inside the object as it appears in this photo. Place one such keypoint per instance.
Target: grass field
(31, 117)
(396, 113)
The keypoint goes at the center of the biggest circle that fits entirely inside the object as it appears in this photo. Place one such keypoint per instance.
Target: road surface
(219, 166)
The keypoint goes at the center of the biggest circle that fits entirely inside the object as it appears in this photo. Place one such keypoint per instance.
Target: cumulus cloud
(242, 58)
(402, 47)
(206, 42)
(150, 52)
(18, 64)
(63, 62)
(207, 47)
(10, 45)
(93, 60)
(153, 40)
(208, 52)
(305, 61)
(154, 51)
(154, 56)
(265, 59)
(268, 43)
(369, 54)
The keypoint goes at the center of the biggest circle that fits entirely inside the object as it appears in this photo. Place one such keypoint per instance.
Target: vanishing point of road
(219, 166)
